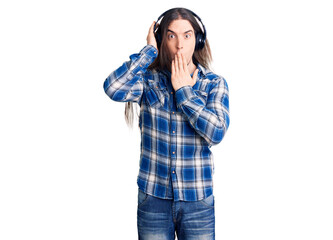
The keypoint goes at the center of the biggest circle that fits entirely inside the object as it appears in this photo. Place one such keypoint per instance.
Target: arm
(210, 120)
(126, 83)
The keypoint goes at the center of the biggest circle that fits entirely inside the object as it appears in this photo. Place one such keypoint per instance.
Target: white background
(69, 163)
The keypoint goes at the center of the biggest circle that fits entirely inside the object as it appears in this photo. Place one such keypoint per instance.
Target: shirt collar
(202, 71)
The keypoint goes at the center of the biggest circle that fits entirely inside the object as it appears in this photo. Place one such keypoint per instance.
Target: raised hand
(151, 40)
(180, 75)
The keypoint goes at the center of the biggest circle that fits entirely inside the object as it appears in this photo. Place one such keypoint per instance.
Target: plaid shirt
(177, 128)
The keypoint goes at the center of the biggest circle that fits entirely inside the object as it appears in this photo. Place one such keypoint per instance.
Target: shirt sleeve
(211, 119)
(126, 83)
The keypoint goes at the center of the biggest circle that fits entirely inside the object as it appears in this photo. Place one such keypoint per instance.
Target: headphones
(200, 39)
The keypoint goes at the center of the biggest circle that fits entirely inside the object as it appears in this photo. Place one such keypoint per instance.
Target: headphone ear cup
(199, 41)
(158, 37)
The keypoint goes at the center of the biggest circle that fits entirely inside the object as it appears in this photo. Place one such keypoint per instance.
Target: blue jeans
(159, 219)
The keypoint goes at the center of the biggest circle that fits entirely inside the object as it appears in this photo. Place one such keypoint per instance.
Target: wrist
(179, 87)
(153, 45)
(183, 94)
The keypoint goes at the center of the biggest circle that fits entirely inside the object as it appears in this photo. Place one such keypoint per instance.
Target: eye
(171, 36)
(187, 35)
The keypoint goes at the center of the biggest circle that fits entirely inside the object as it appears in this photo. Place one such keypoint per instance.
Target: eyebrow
(184, 32)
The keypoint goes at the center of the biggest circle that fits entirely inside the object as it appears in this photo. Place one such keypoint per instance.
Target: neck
(191, 67)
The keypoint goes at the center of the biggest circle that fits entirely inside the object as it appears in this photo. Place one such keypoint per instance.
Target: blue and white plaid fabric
(177, 128)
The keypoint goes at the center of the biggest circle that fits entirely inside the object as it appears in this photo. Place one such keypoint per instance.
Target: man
(184, 111)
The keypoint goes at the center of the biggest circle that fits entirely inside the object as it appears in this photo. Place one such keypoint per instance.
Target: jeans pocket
(142, 197)
(209, 201)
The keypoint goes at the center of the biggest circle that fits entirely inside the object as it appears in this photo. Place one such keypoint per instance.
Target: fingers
(180, 61)
(173, 66)
(151, 36)
(184, 63)
(176, 63)
(180, 64)
(151, 29)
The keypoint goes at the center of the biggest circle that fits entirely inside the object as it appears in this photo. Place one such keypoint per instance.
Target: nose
(180, 44)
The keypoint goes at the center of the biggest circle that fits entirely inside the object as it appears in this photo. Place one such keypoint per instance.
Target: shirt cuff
(143, 59)
(149, 51)
(183, 94)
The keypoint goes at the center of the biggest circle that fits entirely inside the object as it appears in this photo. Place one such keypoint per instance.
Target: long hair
(162, 61)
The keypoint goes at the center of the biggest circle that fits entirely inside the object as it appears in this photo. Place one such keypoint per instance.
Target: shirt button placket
(173, 145)
(173, 135)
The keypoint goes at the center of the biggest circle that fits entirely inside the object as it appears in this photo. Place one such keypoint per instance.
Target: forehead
(180, 26)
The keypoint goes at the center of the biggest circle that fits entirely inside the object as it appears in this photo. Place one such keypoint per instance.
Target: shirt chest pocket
(155, 94)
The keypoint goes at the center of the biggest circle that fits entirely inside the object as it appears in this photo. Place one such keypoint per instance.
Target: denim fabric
(161, 219)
